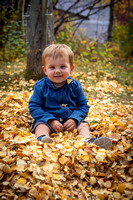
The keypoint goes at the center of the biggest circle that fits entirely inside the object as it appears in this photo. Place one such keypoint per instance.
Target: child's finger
(69, 127)
(59, 127)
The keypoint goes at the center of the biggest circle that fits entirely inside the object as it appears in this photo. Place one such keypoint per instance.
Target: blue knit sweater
(49, 102)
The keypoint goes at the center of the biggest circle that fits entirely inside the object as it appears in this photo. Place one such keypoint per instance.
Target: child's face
(58, 70)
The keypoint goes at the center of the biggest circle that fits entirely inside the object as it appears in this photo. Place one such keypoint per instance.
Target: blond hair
(57, 50)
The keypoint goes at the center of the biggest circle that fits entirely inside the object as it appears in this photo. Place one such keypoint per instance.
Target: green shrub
(73, 41)
(123, 35)
(88, 54)
(12, 38)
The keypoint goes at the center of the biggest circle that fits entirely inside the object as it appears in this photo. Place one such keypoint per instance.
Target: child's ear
(72, 68)
(44, 69)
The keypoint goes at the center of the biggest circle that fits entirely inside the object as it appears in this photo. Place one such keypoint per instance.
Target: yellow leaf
(112, 127)
(2, 154)
(121, 188)
(54, 157)
(7, 169)
(47, 167)
(86, 158)
(24, 140)
(107, 184)
(5, 183)
(46, 187)
(8, 73)
(59, 146)
(61, 120)
(33, 192)
(63, 160)
(79, 143)
(75, 131)
(92, 180)
(64, 105)
(100, 196)
(120, 147)
(113, 119)
(118, 123)
(8, 66)
(69, 81)
(21, 181)
(20, 167)
(21, 162)
(1, 173)
(100, 156)
(56, 176)
(63, 151)
(117, 195)
(7, 159)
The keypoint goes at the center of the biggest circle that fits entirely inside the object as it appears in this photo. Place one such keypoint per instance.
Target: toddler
(58, 102)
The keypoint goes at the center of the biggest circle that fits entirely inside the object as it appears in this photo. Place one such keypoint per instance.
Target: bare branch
(78, 10)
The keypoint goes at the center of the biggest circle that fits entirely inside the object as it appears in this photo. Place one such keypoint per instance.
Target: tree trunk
(111, 20)
(20, 8)
(129, 22)
(38, 38)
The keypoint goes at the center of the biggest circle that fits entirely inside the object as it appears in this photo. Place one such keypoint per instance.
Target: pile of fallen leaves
(68, 168)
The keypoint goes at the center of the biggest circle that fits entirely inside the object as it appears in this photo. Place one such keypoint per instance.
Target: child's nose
(57, 70)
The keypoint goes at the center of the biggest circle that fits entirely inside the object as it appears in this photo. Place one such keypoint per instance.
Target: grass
(89, 73)
(117, 69)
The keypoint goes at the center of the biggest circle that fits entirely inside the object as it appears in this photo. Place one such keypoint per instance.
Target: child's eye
(52, 67)
(62, 67)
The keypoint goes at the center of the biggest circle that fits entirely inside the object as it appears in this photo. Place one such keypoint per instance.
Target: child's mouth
(59, 76)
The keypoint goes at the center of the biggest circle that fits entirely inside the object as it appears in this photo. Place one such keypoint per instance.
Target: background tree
(40, 34)
(111, 20)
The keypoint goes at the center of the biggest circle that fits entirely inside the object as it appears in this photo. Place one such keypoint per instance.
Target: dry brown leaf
(107, 184)
(117, 195)
(33, 192)
(121, 188)
(7, 169)
(101, 196)
(92, 180)
(100, 157)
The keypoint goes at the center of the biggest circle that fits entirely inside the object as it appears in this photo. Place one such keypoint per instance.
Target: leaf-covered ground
(68, 168)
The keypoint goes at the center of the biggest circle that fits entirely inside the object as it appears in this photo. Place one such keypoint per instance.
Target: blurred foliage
(90, 56)
(123, 11)
(12, 37)
(94, 57)
(83, 47)
(123, 27)
(123, 36)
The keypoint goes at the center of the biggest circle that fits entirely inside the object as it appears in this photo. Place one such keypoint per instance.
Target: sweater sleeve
(82, 105)
(36, 103)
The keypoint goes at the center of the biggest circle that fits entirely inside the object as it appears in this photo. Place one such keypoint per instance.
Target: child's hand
(70, 125)
(56, 125)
